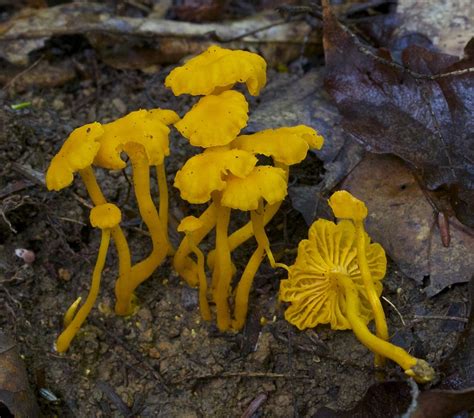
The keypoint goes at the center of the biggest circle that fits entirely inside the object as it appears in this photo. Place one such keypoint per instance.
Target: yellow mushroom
(202, 178)
(215, 120)
(106, 217)
(287, 146)
(346, 206)
(218, 69)
(325, 285)
(264, 183)
(146, 127)
(145, 268)
(189, 225)
(77, 155)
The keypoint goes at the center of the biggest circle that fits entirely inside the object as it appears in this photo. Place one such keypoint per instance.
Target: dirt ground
(165, 361)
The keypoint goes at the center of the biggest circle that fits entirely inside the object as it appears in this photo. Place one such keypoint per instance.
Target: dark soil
(164, 361)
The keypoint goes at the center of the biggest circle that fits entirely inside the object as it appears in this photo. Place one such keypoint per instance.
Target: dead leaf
(403, 221)
(410, 111)
(406, 399)
(15, 394)
(276, 40)
(199, 10)
(448, 24)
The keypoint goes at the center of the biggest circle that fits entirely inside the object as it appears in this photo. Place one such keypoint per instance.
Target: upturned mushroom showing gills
(326, 285)
(346, 206)
(106, 217)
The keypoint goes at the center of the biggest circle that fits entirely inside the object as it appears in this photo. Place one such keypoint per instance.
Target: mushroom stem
(374, 300)
(244, 286)
(164, 202)
(419, 369)
(182, 263)
(203, 304)
(241, 235)
(123, 251)
(64, 340)
(258, 227)
(145, 268)
(222, 273)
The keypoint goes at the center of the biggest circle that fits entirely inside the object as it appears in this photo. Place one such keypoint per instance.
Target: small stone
(119, 105)
(58, 104)
(64, 274)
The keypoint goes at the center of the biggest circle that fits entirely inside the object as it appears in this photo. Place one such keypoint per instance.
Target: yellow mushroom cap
(312, 287)
(105, 216)
(166, 116)
(346, 206)
(190, 224)
(77, 153)
(204, 173)
(218, 68)
(264, 182)
(287, 145)
(145, 127)
(215, 120)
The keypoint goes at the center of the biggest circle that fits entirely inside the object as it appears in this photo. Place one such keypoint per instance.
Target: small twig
(20, 74)
(395, 309)
(419, 318)
(74, 221)
(250, 375)
(254, 405)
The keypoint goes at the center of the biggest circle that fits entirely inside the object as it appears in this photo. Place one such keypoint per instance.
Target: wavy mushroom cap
(215, 120)
(287, 145)
(312, 285)
(77, 153)
(205, 173)
(145, 127)
(218, 68)
(190, 224)
(263, 182)
(346, 206)
(105, 216)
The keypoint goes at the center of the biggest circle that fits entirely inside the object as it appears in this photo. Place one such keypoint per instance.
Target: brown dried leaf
(424, 119)
(403, 221)
(15, 394)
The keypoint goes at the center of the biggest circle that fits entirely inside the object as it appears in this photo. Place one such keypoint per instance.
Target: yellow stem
(243, 288)
(164, 202)
(71, 312)
(203, 303)
(64, 340)
(244, 233)
(182, 263)
(374, 300)
(222, 274)
(145, 268)
(419, 369)
(260, 235)
(118, 236)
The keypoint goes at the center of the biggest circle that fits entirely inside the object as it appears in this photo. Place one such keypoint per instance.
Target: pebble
(119, 105)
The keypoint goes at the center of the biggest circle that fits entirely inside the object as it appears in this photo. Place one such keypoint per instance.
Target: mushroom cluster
(336, 280)
(143, 136)
(227, 173)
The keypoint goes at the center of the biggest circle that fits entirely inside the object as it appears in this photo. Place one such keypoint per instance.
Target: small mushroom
(203, 178)
(77, 155)
(189, 225)
(145, 268)
(346, 206)
(325, 285)
(218, 69)
(264, 183)
(106, 217)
